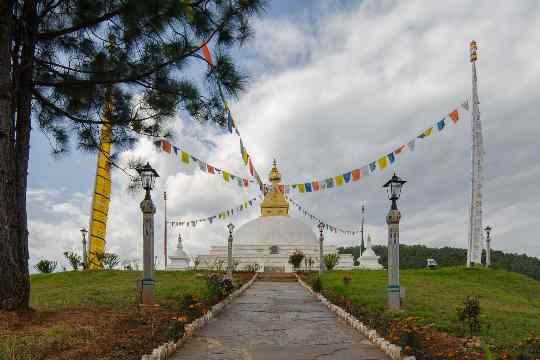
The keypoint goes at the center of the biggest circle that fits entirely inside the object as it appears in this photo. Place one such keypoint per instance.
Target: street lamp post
(83, 233)
(229, 251)
(148, 177)
(488, 245)
(321, 254)
(393, 187)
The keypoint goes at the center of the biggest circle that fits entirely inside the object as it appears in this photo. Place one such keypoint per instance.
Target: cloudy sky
(334, 85)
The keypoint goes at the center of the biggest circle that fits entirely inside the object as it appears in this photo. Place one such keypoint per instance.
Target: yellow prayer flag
(185, 157)
(428, 132)
(301, 188)
(245, 156)
(383, 162)
(226, 176)
(339, 180)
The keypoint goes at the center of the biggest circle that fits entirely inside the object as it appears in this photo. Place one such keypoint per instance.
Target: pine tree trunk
(14, 154)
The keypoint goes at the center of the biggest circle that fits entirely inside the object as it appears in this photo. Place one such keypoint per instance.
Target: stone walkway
(272, 321)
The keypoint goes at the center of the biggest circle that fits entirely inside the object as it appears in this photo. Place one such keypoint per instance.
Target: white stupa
(268, 240)
(369, 260)
(180, 259)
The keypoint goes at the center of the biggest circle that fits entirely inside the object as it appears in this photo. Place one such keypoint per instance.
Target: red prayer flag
(166, 146)
(356, 175)
(245, 182)
(250, 167)
(282, 188)
(399, 149)
(210, 169)
(315, 185)
(206, 54)
(455, 116)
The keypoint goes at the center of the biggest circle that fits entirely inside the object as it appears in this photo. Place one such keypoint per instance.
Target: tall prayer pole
(165, 232)
(362, 246)
(474, 252)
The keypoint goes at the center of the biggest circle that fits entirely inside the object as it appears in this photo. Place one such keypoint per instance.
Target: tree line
(415, 256)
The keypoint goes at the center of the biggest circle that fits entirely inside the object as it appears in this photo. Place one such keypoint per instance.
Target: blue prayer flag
(391, 158)
(308, 187)
(347, 177)
(440, 125)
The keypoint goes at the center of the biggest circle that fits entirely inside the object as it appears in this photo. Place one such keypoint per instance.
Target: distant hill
(414, 257)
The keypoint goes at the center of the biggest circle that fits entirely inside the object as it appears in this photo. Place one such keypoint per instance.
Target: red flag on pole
(206, 55)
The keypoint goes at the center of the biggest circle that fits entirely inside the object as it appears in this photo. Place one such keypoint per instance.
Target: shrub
(331, 260)
(74, 260)
(295, 259)
(46, 266)
(316, 285)
(469, 314)
(218, 287)
(347, 280)
(110, 260)
(252, 267)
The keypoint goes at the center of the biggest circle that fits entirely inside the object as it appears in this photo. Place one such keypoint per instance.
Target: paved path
(272, 321)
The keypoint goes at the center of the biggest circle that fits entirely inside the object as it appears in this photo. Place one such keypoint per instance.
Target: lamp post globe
(148, 177)
(393, 188)
(230, 227)
(321, 253)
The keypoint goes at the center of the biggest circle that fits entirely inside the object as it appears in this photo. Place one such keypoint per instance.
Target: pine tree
(60, 59)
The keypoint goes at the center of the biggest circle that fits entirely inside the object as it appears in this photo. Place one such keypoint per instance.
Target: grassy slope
(107, 289)
(510, 302)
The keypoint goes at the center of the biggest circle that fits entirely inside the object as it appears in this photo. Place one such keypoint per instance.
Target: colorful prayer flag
(347, 177)
(339, 180)
(372, 166)
(210, 169)
(245, 181)
(301, 188)
(185, 157)
(206, 54)
(399, 150)
(329, 183)
(383, 162)
(356, 175)
(465, 105)
(440, 125)
(308, 187)
(226, 176)
(315, 185)
(250, 167)
(229, 121)
(411, 144)
(175, 150)
(391, 158)
(364, 170)
(166, 146)
(454, 115)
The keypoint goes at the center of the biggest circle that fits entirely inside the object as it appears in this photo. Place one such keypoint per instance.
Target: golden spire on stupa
(274, 203)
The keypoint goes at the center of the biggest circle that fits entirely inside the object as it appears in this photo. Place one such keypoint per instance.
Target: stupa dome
(276, 230)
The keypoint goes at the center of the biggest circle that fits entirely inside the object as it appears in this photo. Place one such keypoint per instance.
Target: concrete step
(276, 277)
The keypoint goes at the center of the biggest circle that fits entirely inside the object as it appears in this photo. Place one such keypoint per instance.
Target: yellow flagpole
(102, 191)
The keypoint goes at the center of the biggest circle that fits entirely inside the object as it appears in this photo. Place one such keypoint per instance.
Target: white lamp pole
(393, 217)
(229, 251)
(488, 245)
(321, 253)
(84, 255)
(148, 177)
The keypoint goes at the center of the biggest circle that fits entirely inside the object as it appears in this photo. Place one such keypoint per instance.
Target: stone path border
(385, 346)
(166, 350)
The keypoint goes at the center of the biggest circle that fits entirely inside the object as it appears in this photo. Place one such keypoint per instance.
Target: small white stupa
(180, 259)
(369, 260)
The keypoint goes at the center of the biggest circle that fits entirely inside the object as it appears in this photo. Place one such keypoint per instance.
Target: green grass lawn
(510, 302)
(108, 289)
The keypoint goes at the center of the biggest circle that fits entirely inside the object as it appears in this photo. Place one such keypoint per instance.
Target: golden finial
(473, 49)
(274, 173)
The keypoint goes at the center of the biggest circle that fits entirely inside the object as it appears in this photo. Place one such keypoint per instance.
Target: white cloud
(334, 93)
